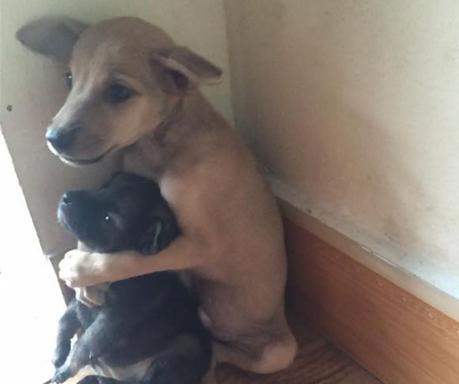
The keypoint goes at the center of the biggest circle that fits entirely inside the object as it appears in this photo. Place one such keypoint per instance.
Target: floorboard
(318, 362)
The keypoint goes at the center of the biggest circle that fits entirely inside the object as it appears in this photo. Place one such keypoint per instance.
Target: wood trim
(377, 262)
(395, 335)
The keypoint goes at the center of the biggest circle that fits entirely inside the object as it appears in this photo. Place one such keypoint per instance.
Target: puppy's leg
(185, 361)
(94, 342)
(79, 356)
(265, 350)
(269, 357)
(68, 326)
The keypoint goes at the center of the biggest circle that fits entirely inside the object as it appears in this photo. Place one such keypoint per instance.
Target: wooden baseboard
(393, 334)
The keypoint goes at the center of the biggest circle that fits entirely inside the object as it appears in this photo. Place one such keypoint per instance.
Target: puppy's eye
(117, 94)
(68, 78)
(107, 219)
(111, 220)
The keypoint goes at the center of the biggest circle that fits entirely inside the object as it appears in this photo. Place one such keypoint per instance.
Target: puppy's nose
(62, 139)
(66, 198)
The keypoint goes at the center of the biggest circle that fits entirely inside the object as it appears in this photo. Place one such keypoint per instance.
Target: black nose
(73, 198)
(66, 198)
(63, 138)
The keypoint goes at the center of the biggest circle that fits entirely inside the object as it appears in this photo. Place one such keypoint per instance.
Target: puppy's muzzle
(61, 139)
(69, 209)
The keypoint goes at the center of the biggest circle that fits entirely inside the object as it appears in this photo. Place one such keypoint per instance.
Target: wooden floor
(318, 362)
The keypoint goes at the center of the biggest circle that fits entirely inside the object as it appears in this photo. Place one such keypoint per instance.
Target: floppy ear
(186, 68)
(52, 36)
(157, 236)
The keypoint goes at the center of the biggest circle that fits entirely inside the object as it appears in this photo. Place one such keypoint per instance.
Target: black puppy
(148, 329)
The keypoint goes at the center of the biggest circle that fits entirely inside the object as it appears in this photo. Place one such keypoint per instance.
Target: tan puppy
(135, 91)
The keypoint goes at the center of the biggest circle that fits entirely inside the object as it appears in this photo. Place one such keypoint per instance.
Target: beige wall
(354, 107)
(34, 87)
(351, 105)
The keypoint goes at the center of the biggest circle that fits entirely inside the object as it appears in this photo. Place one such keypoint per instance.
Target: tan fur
(232, 240)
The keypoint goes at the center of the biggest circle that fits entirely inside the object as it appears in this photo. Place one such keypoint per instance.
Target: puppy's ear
(155, 238)
(52, 36)
(185, 68)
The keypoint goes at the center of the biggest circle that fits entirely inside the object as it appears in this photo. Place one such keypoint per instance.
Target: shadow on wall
(327, 96)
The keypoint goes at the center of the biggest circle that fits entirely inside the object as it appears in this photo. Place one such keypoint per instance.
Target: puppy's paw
(58, 359)
(61, 376)
(60, 354)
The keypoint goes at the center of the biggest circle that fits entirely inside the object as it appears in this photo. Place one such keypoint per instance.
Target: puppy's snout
(61, 139)
(74, 199)
(69, 209)
(67, 199)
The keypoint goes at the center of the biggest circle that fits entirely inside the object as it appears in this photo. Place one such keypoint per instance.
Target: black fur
(150, 315)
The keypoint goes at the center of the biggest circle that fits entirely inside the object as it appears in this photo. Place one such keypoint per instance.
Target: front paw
(60, 354)
(61, 375)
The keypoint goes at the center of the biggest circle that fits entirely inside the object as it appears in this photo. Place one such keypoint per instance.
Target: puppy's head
(124, 75)
(126, 213)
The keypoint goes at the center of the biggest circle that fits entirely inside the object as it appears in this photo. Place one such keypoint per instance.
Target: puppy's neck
(191, 118)
(189, 123)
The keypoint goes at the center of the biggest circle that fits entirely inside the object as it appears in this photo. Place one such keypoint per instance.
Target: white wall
(34, 88)
(354, 107)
